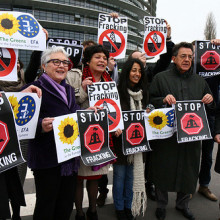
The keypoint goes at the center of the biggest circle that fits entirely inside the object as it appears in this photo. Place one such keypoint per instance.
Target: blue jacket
(42, 150)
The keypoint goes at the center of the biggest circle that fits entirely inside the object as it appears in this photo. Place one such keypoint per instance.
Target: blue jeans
(122, 186)
(206, 161)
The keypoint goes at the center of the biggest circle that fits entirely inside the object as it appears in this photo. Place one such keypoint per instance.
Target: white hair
(46, 54)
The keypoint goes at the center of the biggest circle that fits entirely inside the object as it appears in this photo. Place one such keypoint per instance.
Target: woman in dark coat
(133, 96)
(55, 183)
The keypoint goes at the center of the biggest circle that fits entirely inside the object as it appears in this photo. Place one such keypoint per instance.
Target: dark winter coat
(217, 131)
(162, 64)
(42, 150)
(175, 167)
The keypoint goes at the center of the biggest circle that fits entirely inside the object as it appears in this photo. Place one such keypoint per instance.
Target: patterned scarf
(87, 73)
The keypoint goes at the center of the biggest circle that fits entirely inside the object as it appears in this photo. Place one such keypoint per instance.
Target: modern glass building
(78, 19)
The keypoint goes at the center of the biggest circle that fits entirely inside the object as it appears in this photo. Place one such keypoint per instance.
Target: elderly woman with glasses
(55, 183)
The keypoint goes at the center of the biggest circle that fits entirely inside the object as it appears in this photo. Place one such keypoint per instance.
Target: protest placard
(66, 134)
(10, 152)
(26, 107)
(112, 34)
(207, 59)
(94, 137)
(155, 33)
(105, 94)
(134, 139)
(192, 124)
(19, 30)
(159, 123)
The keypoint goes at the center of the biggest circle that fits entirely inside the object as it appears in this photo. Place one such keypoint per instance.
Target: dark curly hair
(124, 84)
(181, 45)
(90, 51)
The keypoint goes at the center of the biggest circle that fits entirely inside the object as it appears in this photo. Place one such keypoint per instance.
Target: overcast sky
(187, 17)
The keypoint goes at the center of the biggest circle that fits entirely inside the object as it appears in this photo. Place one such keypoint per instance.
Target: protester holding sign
(95, 62)
(13, 173)
(128, 172)
(175, 167)
(11, 187)
(55, 183)
(161, 65)
(217, 139)
(212, 77)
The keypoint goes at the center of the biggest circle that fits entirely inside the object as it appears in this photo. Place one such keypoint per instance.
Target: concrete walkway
(202, 208)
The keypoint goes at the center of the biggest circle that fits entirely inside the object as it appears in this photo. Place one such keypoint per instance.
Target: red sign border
(12, 64)
(146, 42)
(113, 103)
(120, 50)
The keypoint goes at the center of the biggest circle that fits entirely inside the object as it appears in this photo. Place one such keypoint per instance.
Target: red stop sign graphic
(94, 138)
(135, 133)
(210, 60)
(4, 136)
(191, 123)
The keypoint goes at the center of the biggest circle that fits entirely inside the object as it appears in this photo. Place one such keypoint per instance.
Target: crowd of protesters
(170, 167)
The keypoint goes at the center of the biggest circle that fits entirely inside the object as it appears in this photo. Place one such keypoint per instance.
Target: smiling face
(57, 73)
(183, 60)
(135, 74)
(98, 63)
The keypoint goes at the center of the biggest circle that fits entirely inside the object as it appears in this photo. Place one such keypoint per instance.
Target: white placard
(26, 107)
(113, 34)
(159, 123)
(155, 34)
(21, 30)
(66, 134)
(105, 94)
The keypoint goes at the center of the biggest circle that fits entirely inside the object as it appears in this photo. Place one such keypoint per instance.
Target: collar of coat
(50, 89)
(185, 74)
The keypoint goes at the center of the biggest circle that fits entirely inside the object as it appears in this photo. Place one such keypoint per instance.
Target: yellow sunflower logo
(157, 120)
(14, 104)
(68, 130)
(8, 24)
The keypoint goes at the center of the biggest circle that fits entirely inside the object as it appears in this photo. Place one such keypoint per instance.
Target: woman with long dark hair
(128, 172)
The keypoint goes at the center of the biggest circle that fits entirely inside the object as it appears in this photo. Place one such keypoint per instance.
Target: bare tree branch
(210, 27)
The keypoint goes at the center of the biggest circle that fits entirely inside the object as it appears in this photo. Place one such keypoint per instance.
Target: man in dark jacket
(207, 145)
(174, 167)
(150, 71)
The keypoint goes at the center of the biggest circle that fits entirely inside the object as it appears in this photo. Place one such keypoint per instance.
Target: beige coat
(74, 79)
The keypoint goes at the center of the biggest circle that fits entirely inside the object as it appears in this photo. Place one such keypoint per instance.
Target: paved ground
(202, 208)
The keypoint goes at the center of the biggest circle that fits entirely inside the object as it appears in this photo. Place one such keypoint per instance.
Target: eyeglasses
(57, 62)
(184, 56)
